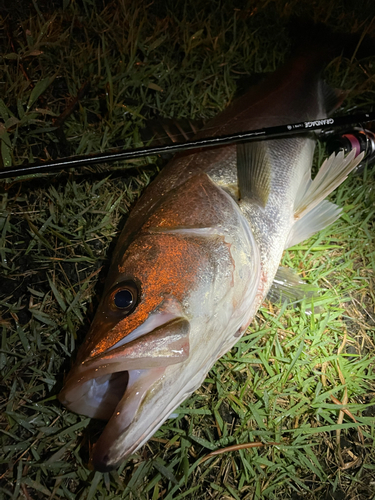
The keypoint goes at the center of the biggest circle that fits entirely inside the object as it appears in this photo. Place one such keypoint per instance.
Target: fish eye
(125, 297)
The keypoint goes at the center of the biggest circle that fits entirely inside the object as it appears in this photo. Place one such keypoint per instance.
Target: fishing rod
(44, 167)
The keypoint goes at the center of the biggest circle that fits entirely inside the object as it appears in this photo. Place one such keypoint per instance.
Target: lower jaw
(98, 397)
(108, 452)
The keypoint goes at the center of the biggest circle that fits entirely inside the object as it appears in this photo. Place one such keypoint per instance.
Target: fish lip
(171, 342)
(100, 453)
(104, 458)
(176, 330)
(103, 463)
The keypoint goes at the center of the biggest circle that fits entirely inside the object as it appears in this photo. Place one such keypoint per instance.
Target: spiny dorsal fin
(160, 131)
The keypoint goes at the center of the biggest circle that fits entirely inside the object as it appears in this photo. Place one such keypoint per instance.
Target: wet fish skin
(189, 263)
(201, 249)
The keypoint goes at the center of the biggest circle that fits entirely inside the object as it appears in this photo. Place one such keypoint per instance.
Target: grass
(80, 77)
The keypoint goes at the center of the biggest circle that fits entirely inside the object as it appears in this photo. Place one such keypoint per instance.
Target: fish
(198, 255)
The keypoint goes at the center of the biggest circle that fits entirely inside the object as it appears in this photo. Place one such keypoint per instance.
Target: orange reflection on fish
(197, 257)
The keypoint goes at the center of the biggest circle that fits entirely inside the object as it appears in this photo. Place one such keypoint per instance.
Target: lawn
(82, 76)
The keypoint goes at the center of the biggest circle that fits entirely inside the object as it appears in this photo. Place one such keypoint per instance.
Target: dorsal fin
(332, 98)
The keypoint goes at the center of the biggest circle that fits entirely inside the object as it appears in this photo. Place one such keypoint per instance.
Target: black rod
(252, 135)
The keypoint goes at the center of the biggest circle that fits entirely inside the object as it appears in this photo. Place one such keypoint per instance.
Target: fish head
(177, 298)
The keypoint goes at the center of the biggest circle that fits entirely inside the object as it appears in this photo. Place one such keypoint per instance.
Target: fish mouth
(113, 385)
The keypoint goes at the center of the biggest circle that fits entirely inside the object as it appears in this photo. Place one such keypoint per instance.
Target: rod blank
(252, 135)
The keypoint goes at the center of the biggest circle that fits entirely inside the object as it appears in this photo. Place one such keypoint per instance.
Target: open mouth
(112, 386)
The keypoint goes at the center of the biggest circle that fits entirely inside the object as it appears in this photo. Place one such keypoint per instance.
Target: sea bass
(197, 257)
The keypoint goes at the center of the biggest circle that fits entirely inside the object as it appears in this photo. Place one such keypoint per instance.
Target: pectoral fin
(254, 172)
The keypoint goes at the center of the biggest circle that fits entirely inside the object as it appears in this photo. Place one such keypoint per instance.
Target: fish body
(197, 257)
